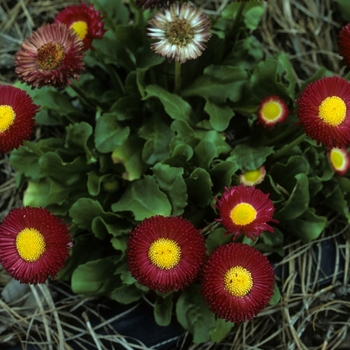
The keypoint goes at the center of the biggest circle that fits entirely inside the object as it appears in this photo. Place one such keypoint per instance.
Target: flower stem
(281, 152)
(82, 95)
(238, 15)
(178, 78)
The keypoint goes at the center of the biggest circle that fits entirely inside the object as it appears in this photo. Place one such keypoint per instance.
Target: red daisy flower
(272, 110)
(324, 111)
(51, 56)
(237, 282)
(344, 44)
(84, 20)
(17, 112)
(34, 244)
(245, 210)
(339, 159)
(165, 253)
(253, 177)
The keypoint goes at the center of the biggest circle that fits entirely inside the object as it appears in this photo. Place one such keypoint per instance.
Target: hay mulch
(314, 311)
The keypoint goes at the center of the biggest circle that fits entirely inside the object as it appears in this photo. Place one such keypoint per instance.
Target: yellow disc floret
(80, 28)
(271, 110)
(7, 117)
(332, 110)
(165, 253)
(238, 281)
(243, 214)
(30, 244)
(180, 32)
(252, 176)
(337, 158)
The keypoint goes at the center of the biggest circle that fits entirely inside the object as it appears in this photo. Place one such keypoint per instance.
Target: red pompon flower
(237, 282)
(50, 57)
(165, 253)
(339, 159)
(344, 44)
(245, 210)
(324, 111)
(17, 112)
(272, 110)
(34, 244)
(84, 20)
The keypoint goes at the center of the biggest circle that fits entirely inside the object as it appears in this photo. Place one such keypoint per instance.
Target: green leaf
(216, 238)
(184, 134)
(220, 331)
(94, 278)
(219, 84)
(85, 210)
(114, 11)
(194, 315)
(109, 133)
(129, 155)
(276, 296)
(344, 9)
(250, 158)
(51, 164)
(144, 199)
(162, 310)
(199, 187)
(298, 201)
(220, 115)
(222, 174)
(77, 138)
(204, 154)
(126, 294)
(158, 135)
(267, 79)
(174, 105)
(308, 226)
(171, 182)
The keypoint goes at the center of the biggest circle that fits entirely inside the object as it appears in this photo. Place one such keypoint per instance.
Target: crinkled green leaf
(180, 156)
(220, 331)
(276, 296)
(144, 199)
(109, 133)
(344, 9)
(219, 84)
(126, 294)
(194, 315)
(171, 182)
(94, 278)
(199, 186)
(174, 105)
(78, 136)
(220, 116)
(222, 174)
(114, 11)
(217, 237)
(298, 201)
(250, 158)
(129, 154)
(204, 153)
(308, 226)
(163, 310)
(158, 135)
(184, 134)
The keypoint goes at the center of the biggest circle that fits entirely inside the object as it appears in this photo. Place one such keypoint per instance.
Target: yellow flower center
(50, 56)
(332, 110)
(252, 176)
(337, 159)
(30, 244)
(164, 253)
(180, 32)
(80, 28)
(238, 281)
(243, 214)
(7, 117)
(271, 110)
